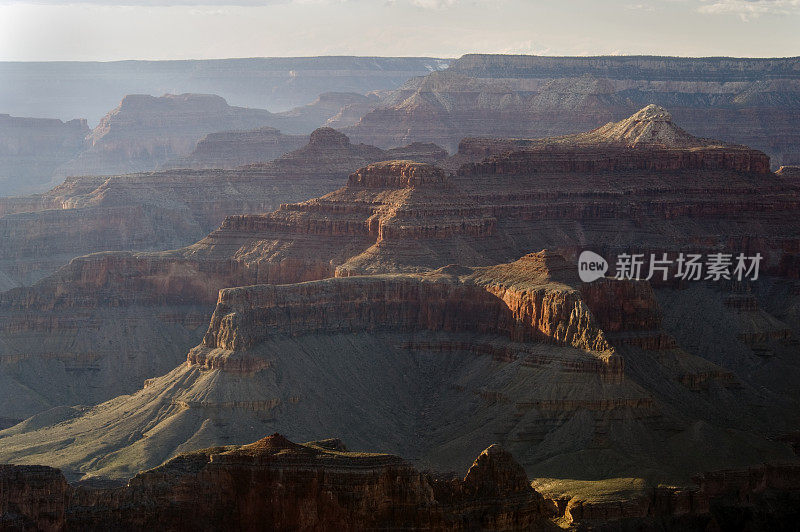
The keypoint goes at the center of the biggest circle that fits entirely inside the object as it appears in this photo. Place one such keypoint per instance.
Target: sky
(104, 30)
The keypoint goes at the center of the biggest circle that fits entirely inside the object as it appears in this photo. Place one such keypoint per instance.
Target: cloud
(750, 9)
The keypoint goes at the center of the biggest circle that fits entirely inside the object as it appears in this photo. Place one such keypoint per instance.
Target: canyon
(433, 310)
(744, 101)
(148, 212)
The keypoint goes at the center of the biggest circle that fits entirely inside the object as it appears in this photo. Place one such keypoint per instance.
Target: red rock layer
(247, 316)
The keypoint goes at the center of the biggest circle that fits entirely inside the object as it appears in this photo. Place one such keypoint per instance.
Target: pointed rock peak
(651, 125)
(328, 137)
(397, 174)
(652, 113)
(495, 471)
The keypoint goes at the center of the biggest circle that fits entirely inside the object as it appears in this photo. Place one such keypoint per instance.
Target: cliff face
(247, 316)
(409, 217)
(32, 148)
(746, 101)
(150, 211)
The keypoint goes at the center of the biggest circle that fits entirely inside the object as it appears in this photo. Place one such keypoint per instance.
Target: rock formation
(32, 148)
(582, 381)
(279, 485)
(515, 352)
(276, 484)
(170, 209)
(754, 100)
(152, 211)
(33, 498)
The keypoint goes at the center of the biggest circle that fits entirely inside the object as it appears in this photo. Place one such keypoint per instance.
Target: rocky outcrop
(32, 498)
(32, 148)
(524, 310)
(276, 484)
(396, 174)
(229, 149)
(646, 141)
(754, 100)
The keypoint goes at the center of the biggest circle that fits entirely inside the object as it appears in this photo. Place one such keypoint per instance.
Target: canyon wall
(745, 101)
